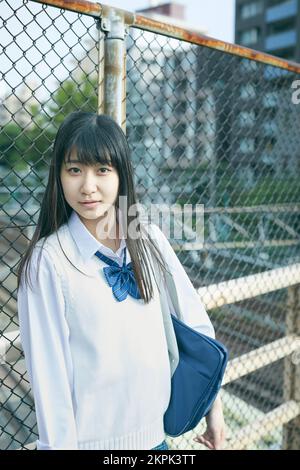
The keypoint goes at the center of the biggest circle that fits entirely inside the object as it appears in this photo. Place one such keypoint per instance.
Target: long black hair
(97, 139)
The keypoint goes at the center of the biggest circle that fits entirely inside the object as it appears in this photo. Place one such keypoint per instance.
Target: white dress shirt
(99, 368)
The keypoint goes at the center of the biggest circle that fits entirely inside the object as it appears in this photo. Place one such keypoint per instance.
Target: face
(98, 183)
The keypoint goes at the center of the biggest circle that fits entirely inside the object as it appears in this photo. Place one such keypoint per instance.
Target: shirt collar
(87, 243)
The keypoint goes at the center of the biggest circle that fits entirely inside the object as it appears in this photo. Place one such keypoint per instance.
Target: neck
(105, 230)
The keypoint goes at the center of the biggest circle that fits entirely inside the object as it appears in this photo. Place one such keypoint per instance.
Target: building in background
(272, 26)
(19, 105)
(171, 111)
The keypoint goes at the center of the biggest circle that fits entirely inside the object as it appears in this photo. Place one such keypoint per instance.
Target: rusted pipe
(148, 24)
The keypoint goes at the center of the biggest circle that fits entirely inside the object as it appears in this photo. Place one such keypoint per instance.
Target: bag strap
(173, 295)
(166, 314)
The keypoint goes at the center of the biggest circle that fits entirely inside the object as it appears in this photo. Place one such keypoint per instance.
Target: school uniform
(100, 369)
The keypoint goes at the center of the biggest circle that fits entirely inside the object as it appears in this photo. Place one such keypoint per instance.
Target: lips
(90, 204)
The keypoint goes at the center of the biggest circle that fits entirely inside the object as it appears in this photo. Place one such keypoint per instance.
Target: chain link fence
(205, 127)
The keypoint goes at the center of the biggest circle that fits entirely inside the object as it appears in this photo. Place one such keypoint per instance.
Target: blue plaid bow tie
(120, 278)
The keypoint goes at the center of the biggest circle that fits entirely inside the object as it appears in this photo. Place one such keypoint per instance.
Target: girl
(91, 322)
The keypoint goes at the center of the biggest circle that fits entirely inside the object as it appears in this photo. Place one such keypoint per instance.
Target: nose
(89, 184)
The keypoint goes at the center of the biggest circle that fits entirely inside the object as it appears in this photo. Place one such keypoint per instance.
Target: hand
(214, 436)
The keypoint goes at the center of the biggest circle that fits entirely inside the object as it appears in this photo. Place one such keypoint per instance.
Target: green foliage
(71, 97)
(266, 190)
(12, 144)
(30, 145)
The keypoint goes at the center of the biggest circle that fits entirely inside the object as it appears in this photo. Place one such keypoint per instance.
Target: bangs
(92, 146)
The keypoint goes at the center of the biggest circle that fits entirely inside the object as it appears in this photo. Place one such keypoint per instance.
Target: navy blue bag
(198, 375)
(196, 380)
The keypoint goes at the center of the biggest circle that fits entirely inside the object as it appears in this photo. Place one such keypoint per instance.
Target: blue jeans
(162, 446)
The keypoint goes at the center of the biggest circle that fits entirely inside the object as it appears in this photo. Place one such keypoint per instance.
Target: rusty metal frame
(113, 76)
(148, 24)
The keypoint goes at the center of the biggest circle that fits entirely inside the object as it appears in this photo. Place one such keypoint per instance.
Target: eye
(105, 170)
(73, 168)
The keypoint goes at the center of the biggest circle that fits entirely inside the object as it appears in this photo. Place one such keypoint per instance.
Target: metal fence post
(112, 71)
(291, 389)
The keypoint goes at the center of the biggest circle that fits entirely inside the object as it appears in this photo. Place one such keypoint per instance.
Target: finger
(210, 440)
(207, 435)
(204, 441)
(209, 445)
(201, 439)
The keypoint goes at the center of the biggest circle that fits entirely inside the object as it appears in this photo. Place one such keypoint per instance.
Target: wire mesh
(204, 127)
(219, 129)
(49, 67)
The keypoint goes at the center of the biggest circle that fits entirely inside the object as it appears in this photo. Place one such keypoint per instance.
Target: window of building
(247, 65)
(270, 99)
(251, 9)
(270, 127)
(281, 26)
(250, 36)
(273, 3)
(247, 91)
(269, 144)
(288, 54)
(247, 145)
(247, 118)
